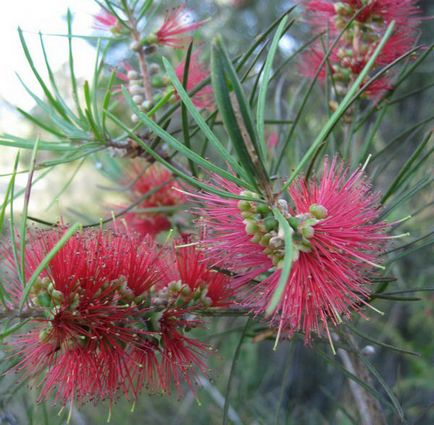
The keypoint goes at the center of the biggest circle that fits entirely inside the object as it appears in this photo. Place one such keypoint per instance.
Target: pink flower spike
(197, 72)
(176, 24)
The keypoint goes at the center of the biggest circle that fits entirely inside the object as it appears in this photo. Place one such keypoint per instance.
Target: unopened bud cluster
(261, 224)
(179, 294)
(137, 92)
(359, 41)
(304, 228)
(43, 293)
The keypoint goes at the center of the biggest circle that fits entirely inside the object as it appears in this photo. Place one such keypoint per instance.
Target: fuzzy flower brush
(336, 237)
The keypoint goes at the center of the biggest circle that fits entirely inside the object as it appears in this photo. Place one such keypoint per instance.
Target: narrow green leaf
(262, 97)
(260, 38)
(9, 191)
(350, 375)
(13, 329)
(287, 262)
(67, 183)
(145, 7)
(44, 87)
(44, 263)
(59, 97)
(12, 221)
(343, 106)
(25, 211)
(382, 344)
(406, 195)
(405, 168)
(177, 171)
(364, 151)
(106, 99)
(382, 382)
(88, 112)
(184, 116)
(225, 155)
(40, 123)
(236, 114)
(168, 138)
(240, 61)
(63, 124)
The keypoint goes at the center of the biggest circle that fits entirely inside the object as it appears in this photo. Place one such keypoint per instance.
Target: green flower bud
(270, 223)
(256, 238)
(206, 301)
(251, 227)
(185, 290)
(57, 296)
(318, 211)
(307, 231)
(44, 299)
(175, 286)
(263, 209)
(265, 239)
(244, 205)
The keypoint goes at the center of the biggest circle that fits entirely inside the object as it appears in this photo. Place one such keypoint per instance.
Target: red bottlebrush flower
(91, 291)
(176, 24)
(197, 72)
(364, 34)
(337, 241)
(160, 185)
(105, 21)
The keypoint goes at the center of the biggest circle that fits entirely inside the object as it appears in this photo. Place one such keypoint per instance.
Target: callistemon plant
(248, 210)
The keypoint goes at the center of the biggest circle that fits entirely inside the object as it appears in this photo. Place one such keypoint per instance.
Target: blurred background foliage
(295, 385)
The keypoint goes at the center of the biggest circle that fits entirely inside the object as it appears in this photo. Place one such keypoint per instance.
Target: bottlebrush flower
(358, 43)
(105, 21)
(197, 72)
(89, 299)
(336, 243)
(174, 29)
(158, 186)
